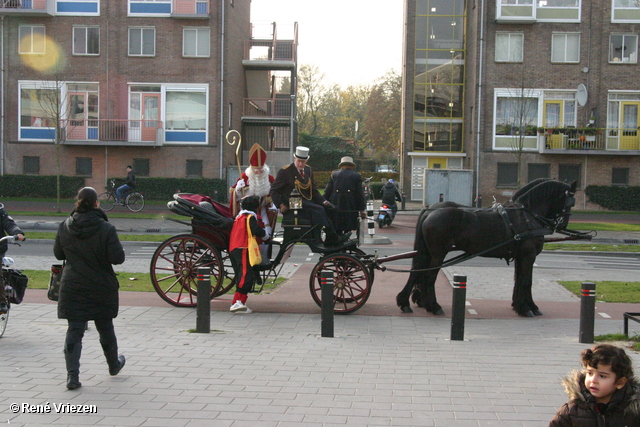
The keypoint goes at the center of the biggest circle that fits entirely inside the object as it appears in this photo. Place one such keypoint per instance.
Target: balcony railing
(113, 131)
(270, 50)
(27, 7)
(190, 9)
(600, 139)
(267, 107)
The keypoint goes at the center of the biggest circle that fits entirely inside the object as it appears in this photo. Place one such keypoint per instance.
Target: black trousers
(242, 269)
(317, 215)
(75, 332)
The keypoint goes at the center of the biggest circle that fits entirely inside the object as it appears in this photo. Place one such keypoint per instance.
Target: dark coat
(344, 190)
(390, 194)
(9, 227)
(130, 180)
(581, 411)
(285, 181)
(88, 287)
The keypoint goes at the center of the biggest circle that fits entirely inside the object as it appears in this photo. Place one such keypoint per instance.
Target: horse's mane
(542, 190)
(528, 187)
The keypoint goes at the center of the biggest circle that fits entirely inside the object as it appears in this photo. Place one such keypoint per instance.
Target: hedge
(39, 186)
(165, 188)
(614, 198)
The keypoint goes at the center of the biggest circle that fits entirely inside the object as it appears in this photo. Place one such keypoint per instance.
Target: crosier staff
(233, 137)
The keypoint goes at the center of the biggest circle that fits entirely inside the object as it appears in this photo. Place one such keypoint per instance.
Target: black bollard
(479, 201)
(441, 198)
(403, 202)
(458, 308)
(587, 312)
(203, 309)
(326, 293)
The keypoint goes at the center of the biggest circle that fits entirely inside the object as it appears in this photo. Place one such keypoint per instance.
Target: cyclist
(10, 227)
(390, 194)
(129, 184)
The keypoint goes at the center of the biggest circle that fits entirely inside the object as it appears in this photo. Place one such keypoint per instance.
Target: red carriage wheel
(351, 282)
(174, 269)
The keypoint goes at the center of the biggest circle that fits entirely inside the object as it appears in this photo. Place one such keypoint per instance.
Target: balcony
(270, 52)
(267, 110)
(100, 132)
(27, 7)
(610, 141)
(190, 9)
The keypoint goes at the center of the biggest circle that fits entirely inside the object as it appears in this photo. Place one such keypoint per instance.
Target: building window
(569, 173)
(623, 48)
(565, 47)
(186, 110)
(538, 170)
(32, 39)
(507, 174)
(38, 107)
(141, 167)
(31, 165)
(86, 40)
(517, 115)
(194, 168)
(195, 42)
(84, 166)
(142, 41)
(509, 47)
(620, 176)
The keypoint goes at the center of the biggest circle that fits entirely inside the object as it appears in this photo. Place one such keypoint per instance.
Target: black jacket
(344, 190)
(285, 181)
(130, 180)
(88, 287)
(390, 194)
(580, 411)
(9, 227)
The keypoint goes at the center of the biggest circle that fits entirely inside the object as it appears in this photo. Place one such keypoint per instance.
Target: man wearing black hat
(344, 190)
(299, 175)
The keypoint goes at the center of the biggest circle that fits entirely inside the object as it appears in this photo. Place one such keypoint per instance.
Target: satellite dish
(581, 95)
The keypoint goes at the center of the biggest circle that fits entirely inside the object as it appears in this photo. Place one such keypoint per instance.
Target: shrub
(39, 186)
(614, 197)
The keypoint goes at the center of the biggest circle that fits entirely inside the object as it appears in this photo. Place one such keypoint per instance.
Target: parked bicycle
(14, 282)
(134, 200)
(367, 190)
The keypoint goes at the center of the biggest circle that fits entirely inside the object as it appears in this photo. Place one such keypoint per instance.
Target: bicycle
(368, 192)
(14, 282)
(134, 200)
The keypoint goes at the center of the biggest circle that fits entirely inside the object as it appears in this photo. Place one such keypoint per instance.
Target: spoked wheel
(351, 282)
(227, 273)
(174, 269)
(4, 318)
(135, 202)
(107, 201)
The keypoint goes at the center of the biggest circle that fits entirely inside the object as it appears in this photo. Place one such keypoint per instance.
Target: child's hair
(608, 355)
(250, 203)
(87, 198)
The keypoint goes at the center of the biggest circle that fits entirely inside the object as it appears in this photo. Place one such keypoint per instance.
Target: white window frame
(631, 58)
(86, 29)
(197, 31)
(32, 48)
(560, 42)
(142, 31)
(512, 45)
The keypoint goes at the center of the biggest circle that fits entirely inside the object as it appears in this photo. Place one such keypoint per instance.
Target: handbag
(255, 257)
(54, 281)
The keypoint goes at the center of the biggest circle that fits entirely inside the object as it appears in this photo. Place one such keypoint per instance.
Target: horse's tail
(423, 259)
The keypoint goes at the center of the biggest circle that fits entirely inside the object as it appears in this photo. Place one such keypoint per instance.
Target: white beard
(259, 185)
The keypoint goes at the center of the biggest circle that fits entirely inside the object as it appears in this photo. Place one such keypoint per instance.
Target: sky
(352, 42)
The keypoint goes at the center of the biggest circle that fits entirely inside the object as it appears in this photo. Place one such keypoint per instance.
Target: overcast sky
(351, 41)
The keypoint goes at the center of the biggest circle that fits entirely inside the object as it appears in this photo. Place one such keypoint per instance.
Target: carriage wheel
(4, 318)
(351, 282)
(228, 273)
(174, 269)
(107, 201)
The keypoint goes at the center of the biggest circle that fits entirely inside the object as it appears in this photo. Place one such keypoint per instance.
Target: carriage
(175, 262)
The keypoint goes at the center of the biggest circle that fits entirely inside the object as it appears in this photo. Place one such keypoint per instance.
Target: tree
(382, 119)
(310, 95)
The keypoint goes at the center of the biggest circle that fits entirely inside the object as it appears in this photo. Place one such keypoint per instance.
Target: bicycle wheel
(107, 201)
(135, 202)
(4, 318)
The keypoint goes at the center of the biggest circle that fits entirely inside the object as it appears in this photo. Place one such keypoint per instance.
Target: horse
(514, 232)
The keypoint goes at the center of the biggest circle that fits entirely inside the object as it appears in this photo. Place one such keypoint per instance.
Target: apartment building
(99, 84)
(514, 90)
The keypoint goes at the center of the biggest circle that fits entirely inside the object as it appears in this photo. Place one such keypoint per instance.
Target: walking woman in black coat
(88, 288)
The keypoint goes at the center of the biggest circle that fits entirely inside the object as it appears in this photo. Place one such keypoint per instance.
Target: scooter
(385, 215)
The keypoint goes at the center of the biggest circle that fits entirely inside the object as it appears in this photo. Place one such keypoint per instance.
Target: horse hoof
(537, 312)
(406, 309)
(438, 312)
(528, 313)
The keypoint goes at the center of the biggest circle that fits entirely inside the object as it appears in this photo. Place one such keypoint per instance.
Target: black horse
(514, 232)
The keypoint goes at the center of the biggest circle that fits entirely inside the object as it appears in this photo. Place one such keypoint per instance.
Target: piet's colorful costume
(251, 183)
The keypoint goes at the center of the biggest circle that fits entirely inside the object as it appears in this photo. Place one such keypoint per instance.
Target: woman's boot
(115, 362)
(72, 358)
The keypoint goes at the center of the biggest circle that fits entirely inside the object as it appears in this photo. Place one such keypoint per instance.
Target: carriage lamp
(295, 199)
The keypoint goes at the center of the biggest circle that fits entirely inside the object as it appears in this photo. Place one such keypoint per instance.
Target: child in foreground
(605, 393)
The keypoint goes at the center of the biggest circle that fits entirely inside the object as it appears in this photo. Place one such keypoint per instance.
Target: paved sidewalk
(272, 369)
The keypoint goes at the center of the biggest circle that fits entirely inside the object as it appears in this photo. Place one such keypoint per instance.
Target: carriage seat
(302, 229)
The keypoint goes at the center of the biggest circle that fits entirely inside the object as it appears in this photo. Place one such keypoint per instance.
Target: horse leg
(402, 299)
(522, 301)
(424, 294)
